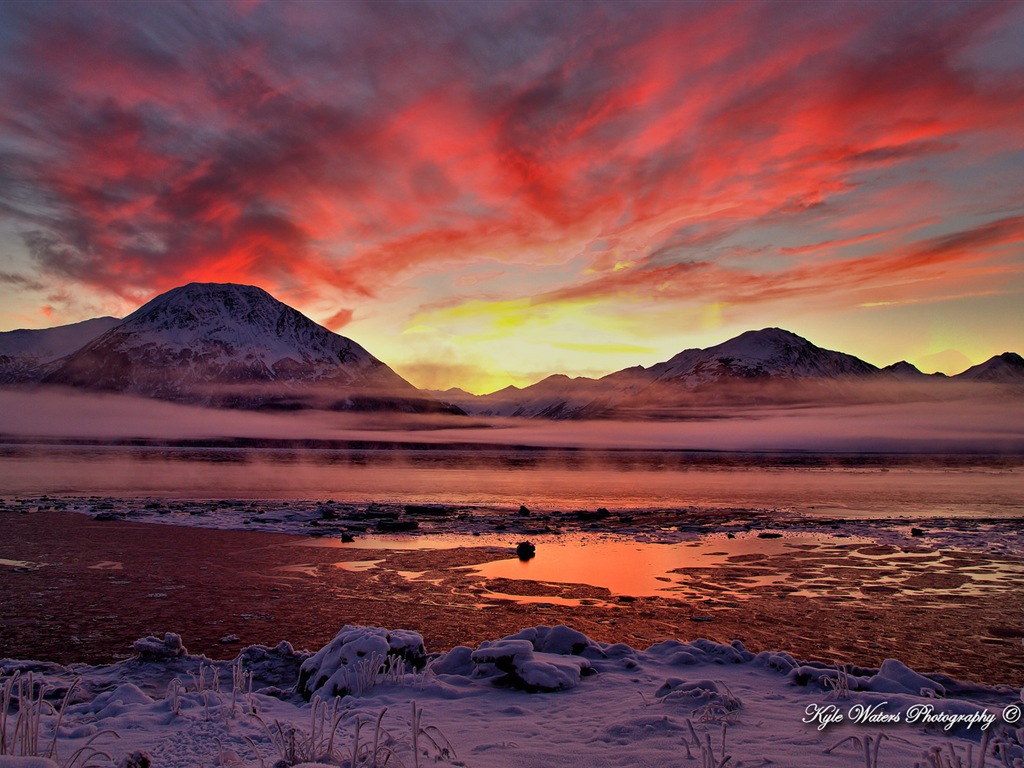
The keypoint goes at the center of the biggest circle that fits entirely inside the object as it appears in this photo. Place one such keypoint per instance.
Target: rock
(394, 526)
(525, 550)
(426, 509)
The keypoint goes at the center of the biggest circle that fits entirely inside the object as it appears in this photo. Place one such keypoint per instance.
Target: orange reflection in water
(629, 567)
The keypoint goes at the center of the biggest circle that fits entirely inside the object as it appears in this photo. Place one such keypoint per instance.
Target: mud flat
(78, 589)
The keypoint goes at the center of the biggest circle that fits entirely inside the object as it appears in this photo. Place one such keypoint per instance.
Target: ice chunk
(154, 649)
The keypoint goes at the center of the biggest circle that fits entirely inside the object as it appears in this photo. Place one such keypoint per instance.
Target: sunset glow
(485, 194)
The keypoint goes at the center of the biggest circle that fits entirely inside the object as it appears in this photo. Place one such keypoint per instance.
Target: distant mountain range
(237, 346)
(770, 366)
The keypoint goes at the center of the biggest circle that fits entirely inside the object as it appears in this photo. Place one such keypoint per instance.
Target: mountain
(770, 365)
(766, 367)
(1007, 368)
(236, 346)
(555, 397)
(771, 353)
(23, 352)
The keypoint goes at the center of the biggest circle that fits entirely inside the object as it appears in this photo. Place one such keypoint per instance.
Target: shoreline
(118, 580)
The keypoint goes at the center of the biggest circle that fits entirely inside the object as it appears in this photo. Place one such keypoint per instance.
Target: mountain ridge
(757, 367)
(225, 344)
(23, 351)
(233, 345)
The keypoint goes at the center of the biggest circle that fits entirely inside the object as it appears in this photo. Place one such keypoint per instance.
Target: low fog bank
(966, 426)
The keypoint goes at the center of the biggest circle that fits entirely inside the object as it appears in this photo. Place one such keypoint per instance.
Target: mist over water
(551, 479)
(969, 425)
(926, 458)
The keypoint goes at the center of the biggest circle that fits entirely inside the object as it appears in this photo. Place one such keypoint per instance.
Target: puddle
(357, 566)
(746, 566)
(542, 601)
(640, 569)
(24, 565)
(305, 570)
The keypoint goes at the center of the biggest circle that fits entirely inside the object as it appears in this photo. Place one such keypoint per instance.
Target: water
(554, 479)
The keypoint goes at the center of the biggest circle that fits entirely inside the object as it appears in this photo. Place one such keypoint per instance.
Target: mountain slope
(771, 353)
(23, 352)
(769, 366)
(1007, 368)
(234, 345)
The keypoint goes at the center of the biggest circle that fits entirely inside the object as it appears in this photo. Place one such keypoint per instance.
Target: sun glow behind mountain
(486, 195)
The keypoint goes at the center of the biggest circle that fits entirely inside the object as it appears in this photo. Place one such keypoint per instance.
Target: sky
(485, 193)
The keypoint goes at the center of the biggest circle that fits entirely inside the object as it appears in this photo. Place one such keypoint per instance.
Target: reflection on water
(629, 567)
(555, 479)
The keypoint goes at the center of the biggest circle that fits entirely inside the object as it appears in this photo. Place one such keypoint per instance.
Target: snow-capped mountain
(1007, 368)
(745, 367)
(236, 345)
(23, 352)
(555, 397)
(770, 366)
(770, 353)
(908, 371)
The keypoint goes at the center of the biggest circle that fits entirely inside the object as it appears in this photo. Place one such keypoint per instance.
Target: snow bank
(543, 697)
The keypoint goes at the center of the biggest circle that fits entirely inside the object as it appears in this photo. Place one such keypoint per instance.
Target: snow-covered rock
(896, 677)
(515, 663)
(352, 661)
(559, 639)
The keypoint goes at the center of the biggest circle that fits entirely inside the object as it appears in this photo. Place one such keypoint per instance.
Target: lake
(851, 485)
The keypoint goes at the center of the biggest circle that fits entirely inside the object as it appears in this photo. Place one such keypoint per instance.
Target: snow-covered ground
(548, 696)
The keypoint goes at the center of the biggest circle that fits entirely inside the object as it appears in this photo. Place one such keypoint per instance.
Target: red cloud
(352, 147)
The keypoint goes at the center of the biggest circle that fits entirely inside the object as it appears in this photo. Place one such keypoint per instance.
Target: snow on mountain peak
(213, 334)
(768, 353)
(227, 323)
(1005, 368)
